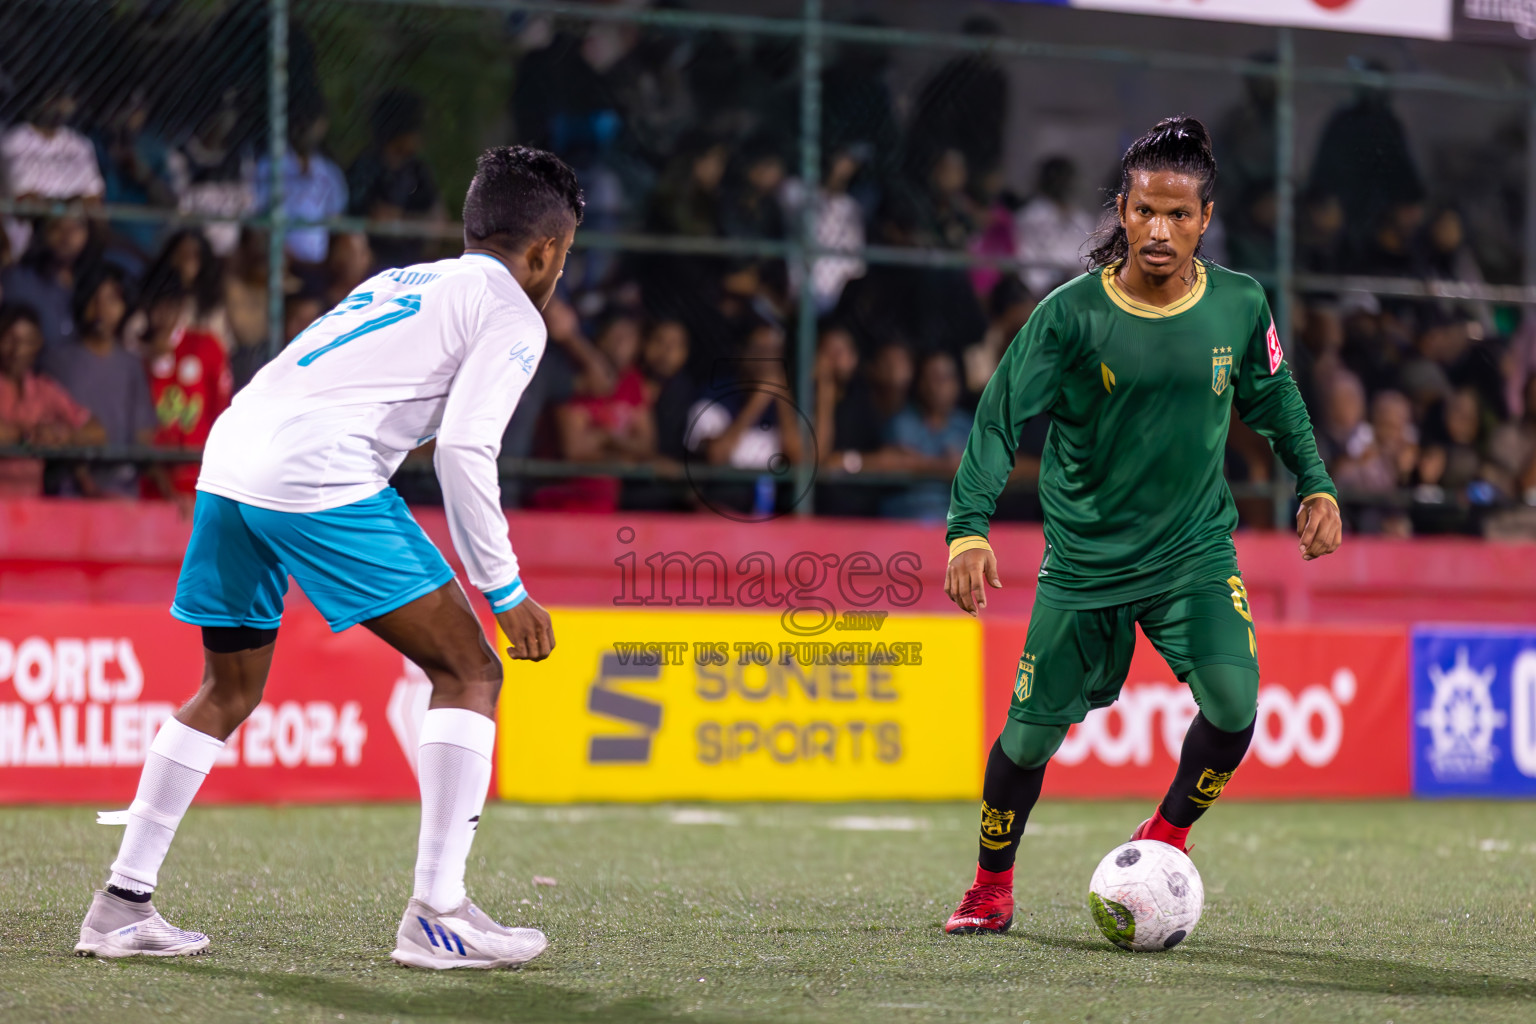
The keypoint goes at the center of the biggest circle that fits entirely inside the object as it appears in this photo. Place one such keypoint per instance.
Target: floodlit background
(955, 156)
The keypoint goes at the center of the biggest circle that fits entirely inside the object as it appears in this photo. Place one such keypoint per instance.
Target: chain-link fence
(827, 219)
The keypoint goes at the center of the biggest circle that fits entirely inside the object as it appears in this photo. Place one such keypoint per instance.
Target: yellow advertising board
(662, 705)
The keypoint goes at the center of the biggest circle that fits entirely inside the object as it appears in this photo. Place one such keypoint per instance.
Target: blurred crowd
(128, 330)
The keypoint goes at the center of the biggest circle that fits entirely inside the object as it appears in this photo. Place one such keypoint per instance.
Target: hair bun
(1184, 127)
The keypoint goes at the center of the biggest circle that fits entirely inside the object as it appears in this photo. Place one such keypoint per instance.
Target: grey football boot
(463, 937)
(115, 927)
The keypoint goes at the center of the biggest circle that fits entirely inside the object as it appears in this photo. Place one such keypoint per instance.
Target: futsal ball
(1146, 895)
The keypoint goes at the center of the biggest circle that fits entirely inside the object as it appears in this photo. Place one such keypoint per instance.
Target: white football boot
(463, 937)
(115, 927)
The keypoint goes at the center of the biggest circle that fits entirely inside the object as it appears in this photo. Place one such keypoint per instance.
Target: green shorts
(1076, 660)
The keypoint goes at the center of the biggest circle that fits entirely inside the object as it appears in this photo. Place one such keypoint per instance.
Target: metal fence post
(1529, 255)
(810, 174)
(1285, 231)
(277, 150)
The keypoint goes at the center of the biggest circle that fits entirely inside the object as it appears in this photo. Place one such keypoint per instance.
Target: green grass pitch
(1377, 912)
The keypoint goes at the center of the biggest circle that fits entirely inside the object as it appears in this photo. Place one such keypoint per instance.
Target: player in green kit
(1139, 364)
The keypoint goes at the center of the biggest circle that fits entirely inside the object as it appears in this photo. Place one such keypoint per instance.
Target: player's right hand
(530, 635)
(968, 575)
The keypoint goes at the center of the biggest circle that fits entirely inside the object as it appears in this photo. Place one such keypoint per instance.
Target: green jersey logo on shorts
(1025, 681)
(1221, 368)
(1240, 597)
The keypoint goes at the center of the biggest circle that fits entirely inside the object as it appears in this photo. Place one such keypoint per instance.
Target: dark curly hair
(1179, 144)
(518, 195)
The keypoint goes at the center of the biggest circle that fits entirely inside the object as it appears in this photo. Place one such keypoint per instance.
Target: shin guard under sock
(1206, 764)
(179, 759)
(453, 766)
(1008, 794)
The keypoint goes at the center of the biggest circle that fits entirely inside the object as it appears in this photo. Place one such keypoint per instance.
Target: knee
(1231, 719)
(235, 664)
(1031, 746)
(1228, 695)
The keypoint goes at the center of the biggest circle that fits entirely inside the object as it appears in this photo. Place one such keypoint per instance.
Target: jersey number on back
(402, 308)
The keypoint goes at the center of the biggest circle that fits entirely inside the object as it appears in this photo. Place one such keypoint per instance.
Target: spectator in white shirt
(751, 423)
(1051, 229)
(839, 224)
(214, 173)
(45, 159)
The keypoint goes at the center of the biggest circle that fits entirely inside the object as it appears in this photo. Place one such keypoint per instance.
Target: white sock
(453, 765)
(179, 759)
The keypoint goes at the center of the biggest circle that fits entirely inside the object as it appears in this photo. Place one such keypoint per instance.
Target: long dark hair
(207, 289)
(1179, 144)
(90, 283)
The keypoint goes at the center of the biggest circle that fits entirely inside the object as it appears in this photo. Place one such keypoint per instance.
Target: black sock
(1206, 764)
(129, 894)
(1008, 794)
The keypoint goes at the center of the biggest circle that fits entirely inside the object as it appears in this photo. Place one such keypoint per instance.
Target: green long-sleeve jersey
(1140, 399)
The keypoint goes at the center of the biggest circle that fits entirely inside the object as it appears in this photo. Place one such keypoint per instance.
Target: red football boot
(1157, 827)
(986, 907)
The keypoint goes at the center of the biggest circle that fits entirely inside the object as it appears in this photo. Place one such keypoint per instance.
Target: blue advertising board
(1474, 711)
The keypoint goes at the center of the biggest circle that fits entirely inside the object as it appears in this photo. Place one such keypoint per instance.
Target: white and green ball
(1146, 896)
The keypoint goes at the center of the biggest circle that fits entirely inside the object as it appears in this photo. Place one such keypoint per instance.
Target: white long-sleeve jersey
(437, 350)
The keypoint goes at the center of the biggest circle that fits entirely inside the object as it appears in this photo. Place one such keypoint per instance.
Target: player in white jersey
(295, 481)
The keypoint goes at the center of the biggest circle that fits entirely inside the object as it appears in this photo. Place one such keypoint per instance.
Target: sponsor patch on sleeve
(1276, 353)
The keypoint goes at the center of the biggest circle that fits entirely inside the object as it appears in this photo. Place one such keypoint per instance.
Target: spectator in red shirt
(618, 425)
(615, 427)
(189, 383)
(33, 409)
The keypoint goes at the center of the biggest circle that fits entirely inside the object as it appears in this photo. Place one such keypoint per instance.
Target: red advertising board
(1333, 718)
(83, 689)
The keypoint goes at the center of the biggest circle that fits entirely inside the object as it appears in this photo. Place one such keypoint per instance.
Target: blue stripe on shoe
(444, 933)
(508, 597)
(428, 929)
(458, 942)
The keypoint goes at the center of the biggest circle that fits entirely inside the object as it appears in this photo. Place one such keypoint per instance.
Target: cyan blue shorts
(355, 562)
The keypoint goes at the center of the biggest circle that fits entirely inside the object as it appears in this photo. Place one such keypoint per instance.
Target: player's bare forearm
(1319, 530)
(968, 575)
(789, 430)
(530, 634)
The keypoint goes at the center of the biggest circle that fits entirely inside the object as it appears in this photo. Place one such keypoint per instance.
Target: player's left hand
(530, 635)
(1318, 527)
(967, 577)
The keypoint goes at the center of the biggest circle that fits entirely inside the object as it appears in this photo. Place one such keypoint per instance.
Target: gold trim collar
(1118, 296)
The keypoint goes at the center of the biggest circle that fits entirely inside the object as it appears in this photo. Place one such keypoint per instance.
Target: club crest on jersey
(1221, 368)
(1025, 681)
